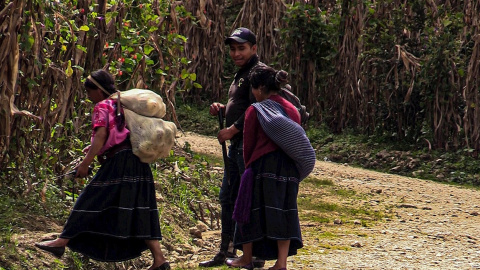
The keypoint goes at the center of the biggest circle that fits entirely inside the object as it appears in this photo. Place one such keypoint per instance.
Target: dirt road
(430, 225)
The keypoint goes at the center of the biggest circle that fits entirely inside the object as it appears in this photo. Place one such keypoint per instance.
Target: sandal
(248, 266)
(56, 251)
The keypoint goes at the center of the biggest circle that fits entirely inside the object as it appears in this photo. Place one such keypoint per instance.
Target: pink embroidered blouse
(104, 116)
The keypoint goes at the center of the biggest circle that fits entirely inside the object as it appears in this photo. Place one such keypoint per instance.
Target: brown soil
(425, 225)
(428, 225)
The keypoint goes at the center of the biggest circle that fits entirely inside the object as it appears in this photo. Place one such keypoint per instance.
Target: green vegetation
(336, 204)
(138, 42)
(188, 185)
(188, 189)
(197, 117)
(329, 213)
(393, 88)
(391, 156)
(379, 153)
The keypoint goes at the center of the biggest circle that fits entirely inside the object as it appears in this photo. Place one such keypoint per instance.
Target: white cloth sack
(142, 101)
(151, 136)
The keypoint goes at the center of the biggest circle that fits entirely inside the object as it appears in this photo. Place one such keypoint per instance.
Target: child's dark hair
(268, 77)
(104, 79)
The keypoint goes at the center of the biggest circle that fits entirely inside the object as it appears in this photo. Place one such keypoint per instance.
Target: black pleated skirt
(274, 214)
(116, 212)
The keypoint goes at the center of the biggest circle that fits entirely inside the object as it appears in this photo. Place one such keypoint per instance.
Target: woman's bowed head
(99, 85)
(266, 81)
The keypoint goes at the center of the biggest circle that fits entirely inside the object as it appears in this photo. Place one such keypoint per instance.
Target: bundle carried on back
(287, 134)
(151, 136)
(143, 102)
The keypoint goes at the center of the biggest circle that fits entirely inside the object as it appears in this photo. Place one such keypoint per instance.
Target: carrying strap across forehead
(98, 85)
(106, 92)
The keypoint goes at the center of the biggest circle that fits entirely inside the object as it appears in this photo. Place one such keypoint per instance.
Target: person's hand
(85, 150)
(216, 107)
(82, 170)
(227, 133)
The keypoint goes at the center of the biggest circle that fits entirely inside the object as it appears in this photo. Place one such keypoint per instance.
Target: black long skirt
(274, 214)
(116, 212)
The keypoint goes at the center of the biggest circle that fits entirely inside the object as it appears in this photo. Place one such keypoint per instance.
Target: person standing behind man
(243, 51)
(278, 155)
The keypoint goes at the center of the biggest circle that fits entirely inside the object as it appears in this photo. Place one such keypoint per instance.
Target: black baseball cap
(242, 35)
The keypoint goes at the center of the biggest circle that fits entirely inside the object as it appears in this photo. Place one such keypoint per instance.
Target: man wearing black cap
(243, 51)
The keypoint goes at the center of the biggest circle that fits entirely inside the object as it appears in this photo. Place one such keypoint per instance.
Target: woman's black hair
(106, 81)
(268, 77)
(103, 78)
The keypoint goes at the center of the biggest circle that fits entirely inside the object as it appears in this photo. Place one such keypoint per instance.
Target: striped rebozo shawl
(287, 134)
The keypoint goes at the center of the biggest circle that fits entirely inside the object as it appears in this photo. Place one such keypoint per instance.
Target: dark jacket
(240, 97)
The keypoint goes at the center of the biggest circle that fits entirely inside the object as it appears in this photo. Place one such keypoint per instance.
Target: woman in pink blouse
(115, 218)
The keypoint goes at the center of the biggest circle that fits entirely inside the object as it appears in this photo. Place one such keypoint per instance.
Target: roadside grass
(187, 187)
(411, 159)
(188, 184)
(326, 200)
(330, 215)
(197, 118)
(21, 216)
